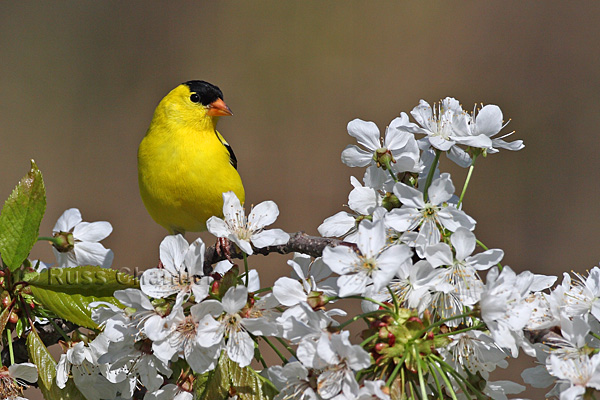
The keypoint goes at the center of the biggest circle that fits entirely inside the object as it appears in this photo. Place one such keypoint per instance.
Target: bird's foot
(222, 248)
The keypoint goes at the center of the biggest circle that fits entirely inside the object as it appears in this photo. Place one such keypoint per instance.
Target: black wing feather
(232, 158)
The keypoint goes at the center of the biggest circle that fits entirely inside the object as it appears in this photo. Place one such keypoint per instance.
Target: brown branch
(299, 242)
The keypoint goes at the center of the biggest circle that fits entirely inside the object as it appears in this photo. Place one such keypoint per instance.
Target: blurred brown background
(79, 82)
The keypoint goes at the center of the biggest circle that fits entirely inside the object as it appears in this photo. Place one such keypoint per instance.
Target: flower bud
(390, 201)
(383, 157)
(64, 242)
(13, 318)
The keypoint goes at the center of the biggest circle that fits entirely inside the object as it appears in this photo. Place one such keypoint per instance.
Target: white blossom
(243, 230)
(182, 272)
(376, 264)
(86, 249)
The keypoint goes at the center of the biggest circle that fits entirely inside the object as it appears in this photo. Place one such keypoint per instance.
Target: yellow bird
(184, 164)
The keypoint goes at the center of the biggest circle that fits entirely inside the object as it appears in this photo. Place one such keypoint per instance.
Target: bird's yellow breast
(183, 169)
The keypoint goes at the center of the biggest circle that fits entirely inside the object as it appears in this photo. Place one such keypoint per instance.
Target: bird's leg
(222, 248)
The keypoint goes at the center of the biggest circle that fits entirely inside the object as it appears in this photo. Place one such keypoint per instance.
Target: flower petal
(262, 215)
(68, 220)
(92, 231)
(365, 132)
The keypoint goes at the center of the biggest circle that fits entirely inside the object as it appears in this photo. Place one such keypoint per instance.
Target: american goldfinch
(184, 164)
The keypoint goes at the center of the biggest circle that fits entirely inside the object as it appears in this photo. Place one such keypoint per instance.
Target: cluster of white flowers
(410, 255)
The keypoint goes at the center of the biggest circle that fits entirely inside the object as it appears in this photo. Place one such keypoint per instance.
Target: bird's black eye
(195, 98)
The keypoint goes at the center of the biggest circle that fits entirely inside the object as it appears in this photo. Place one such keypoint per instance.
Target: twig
(299, 242)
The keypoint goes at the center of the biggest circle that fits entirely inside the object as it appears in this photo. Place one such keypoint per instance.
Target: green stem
(10, 346)
(420, 374)
(438, 386)
(392, 377)
(385, 306)
(276, 350)
(367, 340)
(440, 323)
(388, 166)
(446, 380)
(50, 239)
(471, 168)
(246, 267)
(459, 378)
(394, 300)
(288, 348)
(361, 316)
(430, 174)
(470, 328)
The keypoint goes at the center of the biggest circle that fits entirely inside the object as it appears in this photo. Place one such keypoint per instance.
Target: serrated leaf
(88, 280)
(68, 291)
(40, 356)
(21, 217)
(229, 378)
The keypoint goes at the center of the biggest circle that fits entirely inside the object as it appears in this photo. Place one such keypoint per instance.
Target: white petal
(92, 231)
(260, 326)
(93, 254)
(232, 208)
(68, 220)
(262, 215)
(159, 283)
(253, 281)
(371, 237)
(488, 121)
(439, 254)
(202, 359)
(288, 291)
(354, 284)
(244, 245)
(26, 371)
(340, 259)
(217, 227)
(337, 225)
(270, 237)
(194, 258)
(365, 132)
(240, 348)
(409, 196)
(354, 156)
(441, 189)
(235, 299)
(403, 219)
(210, 332)
(460, 157)
(364, 200)
(172, 252)
(464, 243)
(134, 298)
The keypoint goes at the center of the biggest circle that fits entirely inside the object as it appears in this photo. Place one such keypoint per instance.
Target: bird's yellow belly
(182, 187)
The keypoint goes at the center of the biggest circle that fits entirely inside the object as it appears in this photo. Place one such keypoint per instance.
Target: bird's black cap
(207, 91)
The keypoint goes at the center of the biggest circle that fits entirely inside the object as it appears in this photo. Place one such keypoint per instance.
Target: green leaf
(20, 218)
(68, 292)
(70, 392)
(40, 356)
(229, 378)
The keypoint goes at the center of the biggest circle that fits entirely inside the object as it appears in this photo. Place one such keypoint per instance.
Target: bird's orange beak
(218, 108)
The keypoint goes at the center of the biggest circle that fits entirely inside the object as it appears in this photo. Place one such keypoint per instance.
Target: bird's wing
(232, 158)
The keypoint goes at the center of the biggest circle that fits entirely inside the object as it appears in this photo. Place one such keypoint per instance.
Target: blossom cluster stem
(431, 173)
(467, 180)
(276, 350)
(10, 347)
